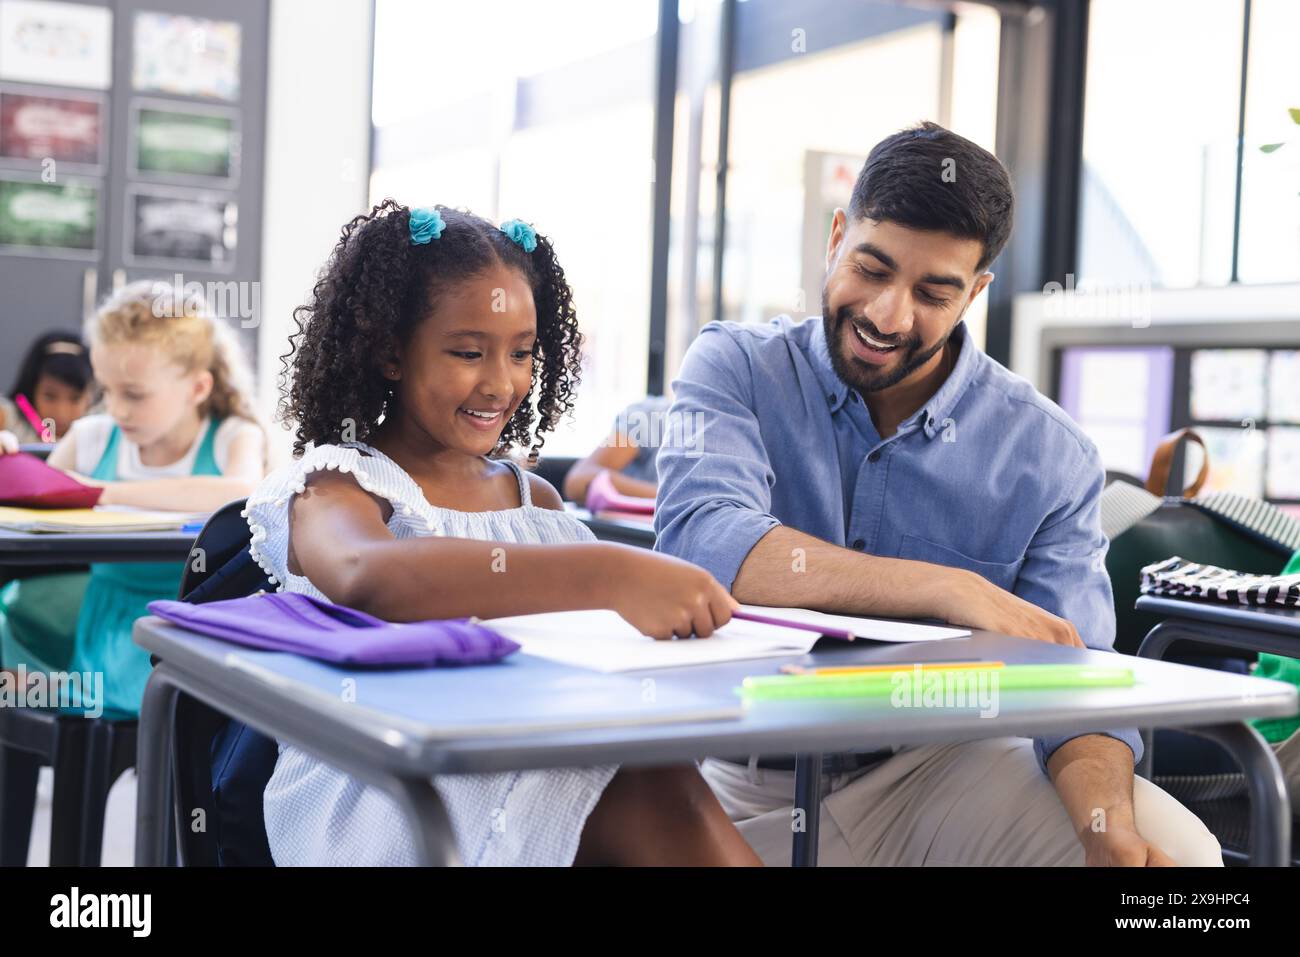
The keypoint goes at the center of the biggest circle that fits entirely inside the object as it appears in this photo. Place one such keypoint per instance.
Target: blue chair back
(221, 765)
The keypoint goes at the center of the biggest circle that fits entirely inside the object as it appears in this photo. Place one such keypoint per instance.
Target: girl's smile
(486, 420)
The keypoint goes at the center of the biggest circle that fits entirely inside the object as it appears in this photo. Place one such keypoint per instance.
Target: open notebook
(105, 520)
(602, 641)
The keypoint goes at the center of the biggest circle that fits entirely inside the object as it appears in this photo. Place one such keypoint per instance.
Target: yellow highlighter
(877, 669)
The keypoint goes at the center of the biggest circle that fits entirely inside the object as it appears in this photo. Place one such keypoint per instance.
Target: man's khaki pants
(980, 803)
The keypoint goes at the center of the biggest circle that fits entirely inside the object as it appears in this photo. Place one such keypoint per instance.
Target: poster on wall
(39, 127)
(1228, 384)
(1236, 460)
(189, 142)
(180, 227)
(1284, 386)
(1284, 463)
(66, 44)
(51, 219)
(186, 56)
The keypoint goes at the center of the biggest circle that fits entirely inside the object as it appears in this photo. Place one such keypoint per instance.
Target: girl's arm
(615, 453)
(340, 541)
(195, 493)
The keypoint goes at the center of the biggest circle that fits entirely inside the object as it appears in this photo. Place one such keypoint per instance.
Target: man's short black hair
(927, 177)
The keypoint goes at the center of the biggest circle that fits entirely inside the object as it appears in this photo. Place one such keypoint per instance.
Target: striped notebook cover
(1178, 578)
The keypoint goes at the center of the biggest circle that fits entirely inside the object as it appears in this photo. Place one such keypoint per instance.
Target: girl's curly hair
(376, 287)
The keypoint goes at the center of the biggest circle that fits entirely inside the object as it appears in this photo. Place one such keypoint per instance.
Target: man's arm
(789, 568)
(714, 497)
(714, 509)
(1093, 776)
(1064, 571)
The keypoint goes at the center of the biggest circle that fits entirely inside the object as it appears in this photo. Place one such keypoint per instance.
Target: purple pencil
(764, 619)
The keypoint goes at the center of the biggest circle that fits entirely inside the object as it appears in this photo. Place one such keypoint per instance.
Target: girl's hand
(662, 596)
(8, 442)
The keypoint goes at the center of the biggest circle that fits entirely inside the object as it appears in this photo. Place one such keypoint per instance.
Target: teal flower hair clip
(426, 224)
(521, 233)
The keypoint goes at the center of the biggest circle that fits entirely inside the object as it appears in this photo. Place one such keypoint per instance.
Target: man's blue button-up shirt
(988, 476)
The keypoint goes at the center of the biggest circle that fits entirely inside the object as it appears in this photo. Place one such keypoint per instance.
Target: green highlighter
(883, 684)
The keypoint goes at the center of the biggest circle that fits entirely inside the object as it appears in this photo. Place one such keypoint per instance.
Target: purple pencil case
(302, 625)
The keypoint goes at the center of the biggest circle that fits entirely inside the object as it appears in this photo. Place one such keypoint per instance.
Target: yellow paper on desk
(93, 520)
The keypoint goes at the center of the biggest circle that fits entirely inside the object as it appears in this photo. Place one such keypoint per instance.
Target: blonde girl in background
(178, 434)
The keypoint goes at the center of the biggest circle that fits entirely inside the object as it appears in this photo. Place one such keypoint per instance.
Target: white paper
(874, 629)
(602, 641)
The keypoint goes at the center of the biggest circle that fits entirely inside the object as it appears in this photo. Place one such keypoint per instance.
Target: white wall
(317, 164)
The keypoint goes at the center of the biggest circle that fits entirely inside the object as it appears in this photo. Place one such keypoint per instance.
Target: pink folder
(27, 481)
(603, 496)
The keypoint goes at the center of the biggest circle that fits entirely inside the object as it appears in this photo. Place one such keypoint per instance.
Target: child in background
(38, 613)
(627, 454)
(435, 342)
(179, 434)
(53, 390)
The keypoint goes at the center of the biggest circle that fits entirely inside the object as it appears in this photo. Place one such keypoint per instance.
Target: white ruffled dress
(316, 815)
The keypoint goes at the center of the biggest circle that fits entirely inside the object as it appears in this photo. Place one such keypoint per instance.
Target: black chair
(554, 469)
(31, 738)
(220, 766)
(88, 755)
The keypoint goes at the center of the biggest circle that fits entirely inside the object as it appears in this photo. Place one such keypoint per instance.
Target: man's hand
(975, 602)
(1093, 776)
(1121, 847)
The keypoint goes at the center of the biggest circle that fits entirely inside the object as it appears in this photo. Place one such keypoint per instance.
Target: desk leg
(1154, 646)
(808, 799)
(153, 814)
(430, 825)
(1270, 810)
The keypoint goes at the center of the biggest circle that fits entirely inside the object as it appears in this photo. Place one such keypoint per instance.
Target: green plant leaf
(1295, 114)
(1270, 147)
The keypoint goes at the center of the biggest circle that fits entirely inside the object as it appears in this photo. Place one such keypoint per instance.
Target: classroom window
(548, 122)
(1242, 401)
(1245, 404)
(800, 131)
(1160, 142)
(1270, 187)
(806, 109)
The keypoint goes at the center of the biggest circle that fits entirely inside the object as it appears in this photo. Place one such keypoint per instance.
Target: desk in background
(31, 549)
(610, 529)
(1248, 627)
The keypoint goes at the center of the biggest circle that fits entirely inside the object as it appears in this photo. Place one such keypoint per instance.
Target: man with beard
(876, 462)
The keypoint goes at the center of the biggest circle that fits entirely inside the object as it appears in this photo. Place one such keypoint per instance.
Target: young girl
(179, 434)
(38, 613)
(53, 390)
(433, 343)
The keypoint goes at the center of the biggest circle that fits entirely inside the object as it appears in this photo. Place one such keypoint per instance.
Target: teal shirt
(119, 593)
